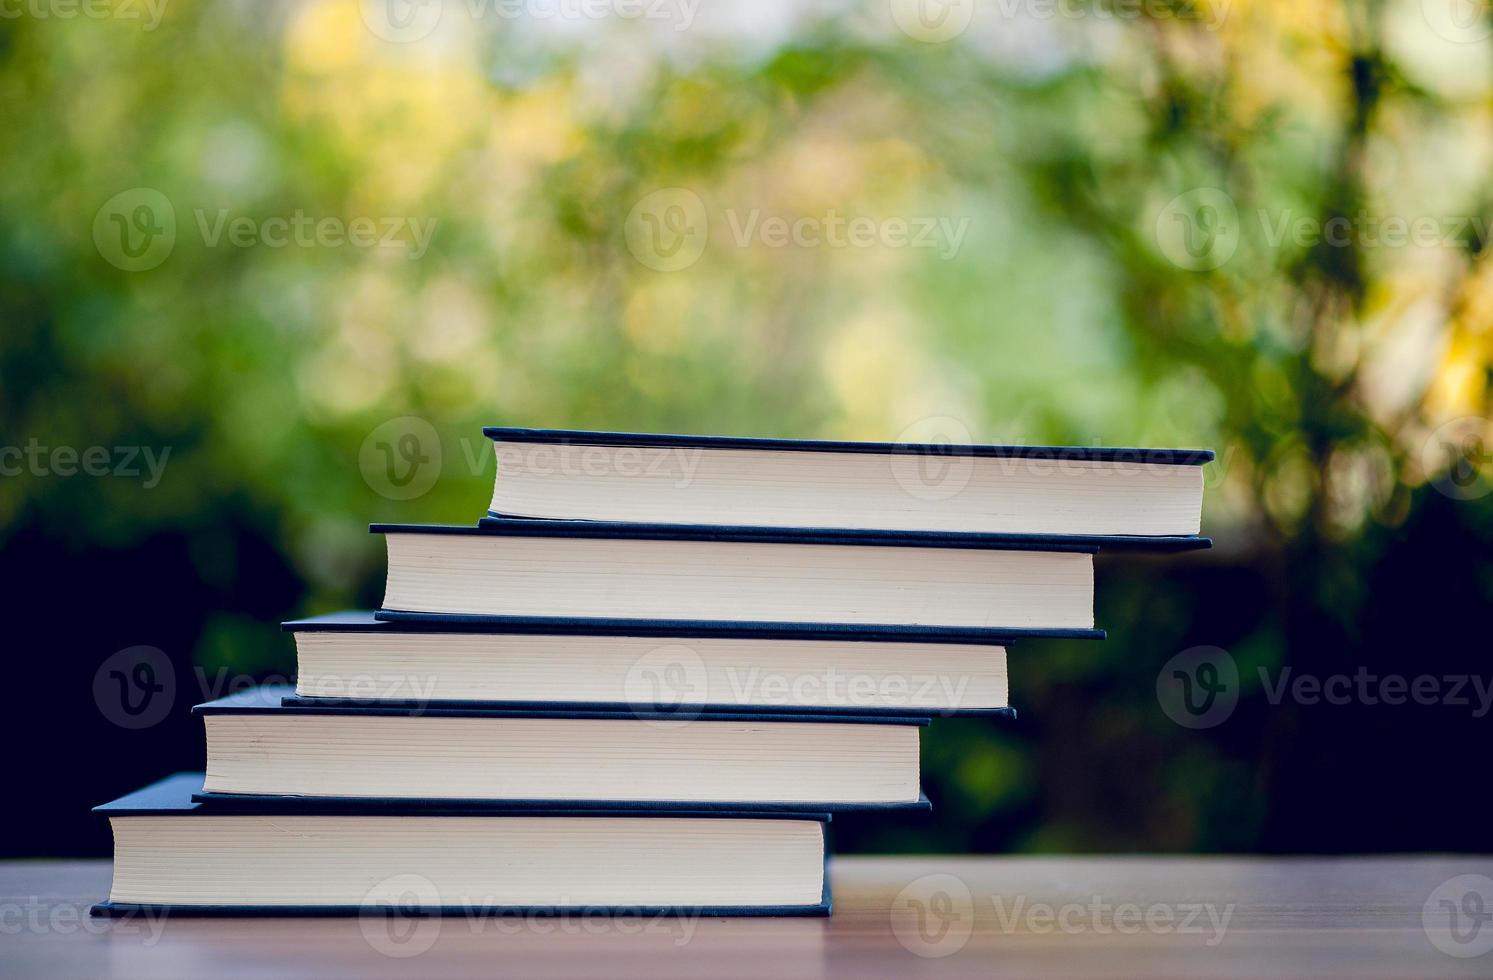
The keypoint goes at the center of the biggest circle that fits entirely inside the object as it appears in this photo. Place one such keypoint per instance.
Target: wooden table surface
(906, 917)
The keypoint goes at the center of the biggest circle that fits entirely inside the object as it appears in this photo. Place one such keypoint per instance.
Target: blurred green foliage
(1147, 197)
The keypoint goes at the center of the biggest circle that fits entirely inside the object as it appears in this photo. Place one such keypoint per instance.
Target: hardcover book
(259, 746)
(184, 857)
(352, 657)
(629, 476)
(953, 584)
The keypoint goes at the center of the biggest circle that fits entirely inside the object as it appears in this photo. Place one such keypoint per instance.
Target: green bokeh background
(1245, 226)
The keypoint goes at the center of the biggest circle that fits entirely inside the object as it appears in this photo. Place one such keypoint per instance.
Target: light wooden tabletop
(907, 917)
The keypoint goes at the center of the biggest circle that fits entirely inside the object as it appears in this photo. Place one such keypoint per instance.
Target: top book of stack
(1144, 497)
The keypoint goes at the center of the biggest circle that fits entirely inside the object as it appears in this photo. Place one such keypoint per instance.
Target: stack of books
(646, 679)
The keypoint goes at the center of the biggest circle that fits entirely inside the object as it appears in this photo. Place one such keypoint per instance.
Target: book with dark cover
(1149, 498)
(766, 581)
(615, 626)
(353, 658)
(380, 620)
(260, 746)
(1176, 457)
(179, 797)
(270, 699)
(864, 537)
(262, 803)
(679, 712)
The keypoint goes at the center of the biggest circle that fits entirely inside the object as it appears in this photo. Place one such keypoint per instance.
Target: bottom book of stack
(177, 854)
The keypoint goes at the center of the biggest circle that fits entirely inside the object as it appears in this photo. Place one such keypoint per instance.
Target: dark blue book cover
(730, 629)
(181, 795)
(1172, 457)
(714, 523)
(1012, 541)
(1040, 550)
(271, 699)
(673, 712)
(869, 537)
(279, 699)
(363, 621)
(390, 621)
